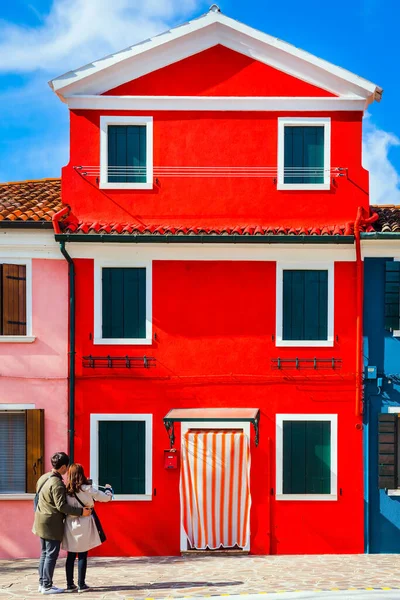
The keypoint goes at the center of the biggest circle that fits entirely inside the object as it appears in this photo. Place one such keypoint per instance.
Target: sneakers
(52, 590)
(71, 588)
(83, 588)
(39, 588)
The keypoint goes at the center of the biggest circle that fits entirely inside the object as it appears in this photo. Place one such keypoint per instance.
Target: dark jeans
(82, 565)
(47, 563)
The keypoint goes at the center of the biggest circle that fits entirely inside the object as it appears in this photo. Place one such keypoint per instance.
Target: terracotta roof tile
(389, 218)
(35, 200)
(73, 226)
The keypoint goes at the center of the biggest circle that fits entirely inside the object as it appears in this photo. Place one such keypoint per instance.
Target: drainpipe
(360, 221)
(359, 309)
(71, 340)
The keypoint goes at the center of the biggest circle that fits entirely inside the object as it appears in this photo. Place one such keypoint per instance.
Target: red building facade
(211, 197)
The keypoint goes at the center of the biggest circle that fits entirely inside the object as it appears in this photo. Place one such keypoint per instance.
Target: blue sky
(40, 39)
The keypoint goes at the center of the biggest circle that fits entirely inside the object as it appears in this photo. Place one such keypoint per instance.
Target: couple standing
(64, 515)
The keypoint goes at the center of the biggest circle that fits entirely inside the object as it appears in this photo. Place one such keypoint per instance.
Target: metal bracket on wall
(118, 362)
(306, 363)
(169, 426)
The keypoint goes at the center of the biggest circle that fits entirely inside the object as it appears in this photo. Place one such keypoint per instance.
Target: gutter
(204, 239)
(26, 225)
(380, 235)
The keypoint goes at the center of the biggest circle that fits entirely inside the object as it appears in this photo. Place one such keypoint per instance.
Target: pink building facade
(33, 365)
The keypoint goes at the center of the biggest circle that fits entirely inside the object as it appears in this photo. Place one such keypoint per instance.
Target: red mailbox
(171, 459)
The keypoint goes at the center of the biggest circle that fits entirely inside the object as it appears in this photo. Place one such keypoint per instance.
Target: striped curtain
(215, 489)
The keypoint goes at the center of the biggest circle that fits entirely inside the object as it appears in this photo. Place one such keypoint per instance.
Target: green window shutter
(122, 456)
(392, 295)
(387, 451)
(127, 149)
(305, 305)
(124, 303)
(306, 457)
(303, 152)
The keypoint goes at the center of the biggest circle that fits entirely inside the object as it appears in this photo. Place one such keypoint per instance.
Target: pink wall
(37, 374)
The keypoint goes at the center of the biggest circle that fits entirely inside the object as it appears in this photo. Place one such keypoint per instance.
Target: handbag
(96, 520)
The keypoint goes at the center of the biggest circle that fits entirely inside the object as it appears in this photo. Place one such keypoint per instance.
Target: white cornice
(214, 103)
(198, 35)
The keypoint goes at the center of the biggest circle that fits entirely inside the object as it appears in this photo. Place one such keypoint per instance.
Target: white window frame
(304, 122)
(98, 316)
(309, 266)
(280, 418)
(185, 427)
(94, 450)
(28, 337)
(105, 121)
(20, 408)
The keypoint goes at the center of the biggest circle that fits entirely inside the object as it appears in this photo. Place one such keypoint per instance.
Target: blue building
(381, 252)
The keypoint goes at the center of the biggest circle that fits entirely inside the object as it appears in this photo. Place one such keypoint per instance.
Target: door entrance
(215, 489)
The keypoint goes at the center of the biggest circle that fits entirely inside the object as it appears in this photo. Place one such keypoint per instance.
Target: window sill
(303, 186)
(305, 343)
(393, 492)
(139, 497)
(122, 342)
(396, 333)
(16, 497)
(21, 339)
(312, 497)
(105, 185)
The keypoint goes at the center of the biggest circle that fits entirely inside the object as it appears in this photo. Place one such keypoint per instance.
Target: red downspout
(57, 216)
(360, 220)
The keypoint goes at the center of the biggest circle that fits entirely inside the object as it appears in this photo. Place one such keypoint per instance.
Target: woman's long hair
(76, 479)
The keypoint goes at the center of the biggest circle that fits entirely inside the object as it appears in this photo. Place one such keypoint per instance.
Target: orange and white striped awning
(215, 488)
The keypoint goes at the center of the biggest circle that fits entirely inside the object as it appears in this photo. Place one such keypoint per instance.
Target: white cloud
(77, 31)
(34, 124)
(384, 179)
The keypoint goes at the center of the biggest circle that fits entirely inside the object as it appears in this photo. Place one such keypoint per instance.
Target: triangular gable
(217, 71)
(198, 35)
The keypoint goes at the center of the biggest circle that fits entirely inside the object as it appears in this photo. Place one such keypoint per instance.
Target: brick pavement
(178, 577)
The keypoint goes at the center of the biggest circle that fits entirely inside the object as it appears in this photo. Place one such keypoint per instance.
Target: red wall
(217, 71)
(214, 323)
(216, 139)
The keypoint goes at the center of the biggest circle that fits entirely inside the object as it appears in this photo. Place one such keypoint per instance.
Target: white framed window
(305, 304)
(16, 300)
(123, 302)
(121, 454)
(306, 457)
(126, 152)
(304, 153)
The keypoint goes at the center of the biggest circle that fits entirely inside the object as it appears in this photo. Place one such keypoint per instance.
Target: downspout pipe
(360, 221)
(359, 311)
(71, 350)
(71, 337)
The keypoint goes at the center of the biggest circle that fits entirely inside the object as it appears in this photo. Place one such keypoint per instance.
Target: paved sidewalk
(174, 577)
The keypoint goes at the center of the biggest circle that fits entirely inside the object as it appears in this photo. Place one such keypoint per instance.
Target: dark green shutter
(387, 451)
(127, 149)
(124, 303)
(306, 457)
(122, 456)
(305, 305)
(392, 295)
(303, 151)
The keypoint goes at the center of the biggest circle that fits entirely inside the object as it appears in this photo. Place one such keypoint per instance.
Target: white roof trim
(215, 103)
(195, 36)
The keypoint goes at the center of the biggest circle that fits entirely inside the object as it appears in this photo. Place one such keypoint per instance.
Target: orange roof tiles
(30, 201)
